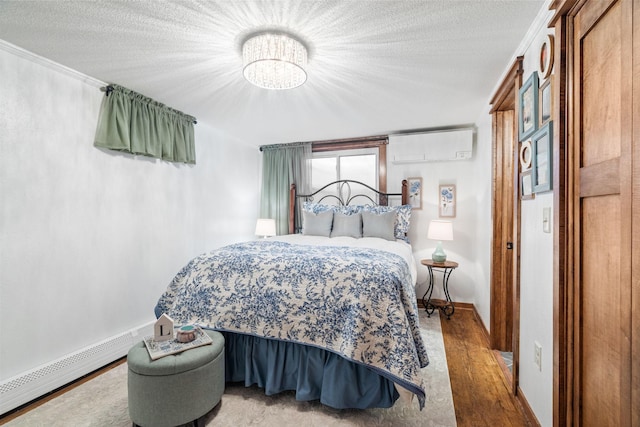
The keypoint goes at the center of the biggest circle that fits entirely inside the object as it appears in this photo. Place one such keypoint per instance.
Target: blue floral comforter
(357, 302)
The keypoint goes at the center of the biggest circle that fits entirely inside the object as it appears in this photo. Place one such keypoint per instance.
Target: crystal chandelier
(274, 61)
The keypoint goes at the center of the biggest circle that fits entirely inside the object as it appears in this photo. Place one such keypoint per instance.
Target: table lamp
(266, 227)
(440, 230)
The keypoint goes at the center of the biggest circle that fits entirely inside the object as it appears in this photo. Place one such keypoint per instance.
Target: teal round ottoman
(175, 389)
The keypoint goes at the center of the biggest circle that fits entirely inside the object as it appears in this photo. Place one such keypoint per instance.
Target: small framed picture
(526, 185)
(528, 107)
(415, 193)
(545, 97)
(542, 145)
(447, 205)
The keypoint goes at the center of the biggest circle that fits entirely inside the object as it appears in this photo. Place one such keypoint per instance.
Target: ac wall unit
(432, 146)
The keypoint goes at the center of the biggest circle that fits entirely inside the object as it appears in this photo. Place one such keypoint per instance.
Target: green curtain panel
(283, 165)
(139, 125)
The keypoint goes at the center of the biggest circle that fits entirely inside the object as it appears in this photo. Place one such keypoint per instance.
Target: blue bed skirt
(314, 373)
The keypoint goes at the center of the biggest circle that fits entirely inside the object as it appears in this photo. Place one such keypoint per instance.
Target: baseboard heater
(30, 385)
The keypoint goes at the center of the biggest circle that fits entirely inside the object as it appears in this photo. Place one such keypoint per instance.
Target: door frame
(504, 333)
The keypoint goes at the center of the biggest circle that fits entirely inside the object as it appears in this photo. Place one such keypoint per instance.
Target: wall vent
(432, 146)
(39, 381)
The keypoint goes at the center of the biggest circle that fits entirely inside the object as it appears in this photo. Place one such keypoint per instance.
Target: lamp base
(439, 255)
(437, 258)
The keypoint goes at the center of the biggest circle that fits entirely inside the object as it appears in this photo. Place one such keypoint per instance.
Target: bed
(322, 312)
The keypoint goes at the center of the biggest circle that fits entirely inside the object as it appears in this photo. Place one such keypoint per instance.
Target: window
(358, 159)
(358, 165)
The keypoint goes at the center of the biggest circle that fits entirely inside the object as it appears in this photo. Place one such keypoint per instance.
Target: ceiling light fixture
(274, 61)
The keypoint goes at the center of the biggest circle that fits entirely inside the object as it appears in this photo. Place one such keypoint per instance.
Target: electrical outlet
(537, 355)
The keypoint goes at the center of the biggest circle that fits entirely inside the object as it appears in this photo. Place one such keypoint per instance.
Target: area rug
(103, 402)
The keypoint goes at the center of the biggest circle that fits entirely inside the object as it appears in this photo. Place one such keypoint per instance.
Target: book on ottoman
(158, 349)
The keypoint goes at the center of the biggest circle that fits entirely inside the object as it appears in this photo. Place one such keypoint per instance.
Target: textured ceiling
(375, 67)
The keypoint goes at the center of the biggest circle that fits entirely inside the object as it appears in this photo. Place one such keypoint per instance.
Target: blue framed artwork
(415, 193)
(528, 107)
(542, 146)
(447, 205)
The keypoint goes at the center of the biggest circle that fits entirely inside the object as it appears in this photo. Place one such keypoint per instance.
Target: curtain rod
(109, 88)
(378, 139)
(292, 144)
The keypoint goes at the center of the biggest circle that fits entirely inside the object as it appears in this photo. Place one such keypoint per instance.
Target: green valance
(139, 125)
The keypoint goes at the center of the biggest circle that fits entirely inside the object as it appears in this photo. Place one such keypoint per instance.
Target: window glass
(323, 171)
(362, 168)
(358, 165)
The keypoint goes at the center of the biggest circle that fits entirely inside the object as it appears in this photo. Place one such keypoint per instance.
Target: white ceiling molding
(37, 59)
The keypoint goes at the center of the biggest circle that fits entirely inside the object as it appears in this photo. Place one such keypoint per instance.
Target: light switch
(546, 220)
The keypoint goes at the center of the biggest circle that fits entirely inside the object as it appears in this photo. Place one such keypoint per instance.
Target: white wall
(484, 220)
(536, 284)
(89, 238)
(473, 180)
(536, 257)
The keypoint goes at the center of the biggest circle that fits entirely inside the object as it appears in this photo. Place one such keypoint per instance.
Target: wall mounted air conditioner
(432, 146)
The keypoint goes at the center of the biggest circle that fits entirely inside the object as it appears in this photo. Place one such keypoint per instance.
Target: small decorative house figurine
(163, 328)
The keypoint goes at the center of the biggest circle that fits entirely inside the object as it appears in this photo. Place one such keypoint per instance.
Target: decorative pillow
(403, 221)
(379, 224)
(347, 225)
(317, 224)
(403, 218)
(318, 207)
(403, 214)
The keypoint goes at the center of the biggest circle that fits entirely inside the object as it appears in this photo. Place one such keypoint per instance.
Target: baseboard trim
(27, 386)
(526, 409)
(485, 331)
(457, 305)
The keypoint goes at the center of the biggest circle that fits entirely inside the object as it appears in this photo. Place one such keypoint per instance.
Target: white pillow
(317, 224)
(347, 225)
(379, 225)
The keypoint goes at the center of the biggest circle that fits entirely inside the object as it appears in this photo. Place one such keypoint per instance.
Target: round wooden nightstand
(446, 268)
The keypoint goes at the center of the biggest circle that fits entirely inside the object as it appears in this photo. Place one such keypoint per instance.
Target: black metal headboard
(343, 196)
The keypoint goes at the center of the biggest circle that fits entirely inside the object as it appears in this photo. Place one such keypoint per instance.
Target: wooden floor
(480, 393)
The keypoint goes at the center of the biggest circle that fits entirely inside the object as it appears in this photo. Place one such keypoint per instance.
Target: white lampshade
(266, 227)
(440, 230)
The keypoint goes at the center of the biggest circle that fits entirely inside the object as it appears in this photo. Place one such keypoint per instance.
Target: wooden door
(600, 122)
(504, 281)
(501, 326)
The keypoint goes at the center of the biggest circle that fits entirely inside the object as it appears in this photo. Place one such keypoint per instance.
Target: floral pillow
(318, 207)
